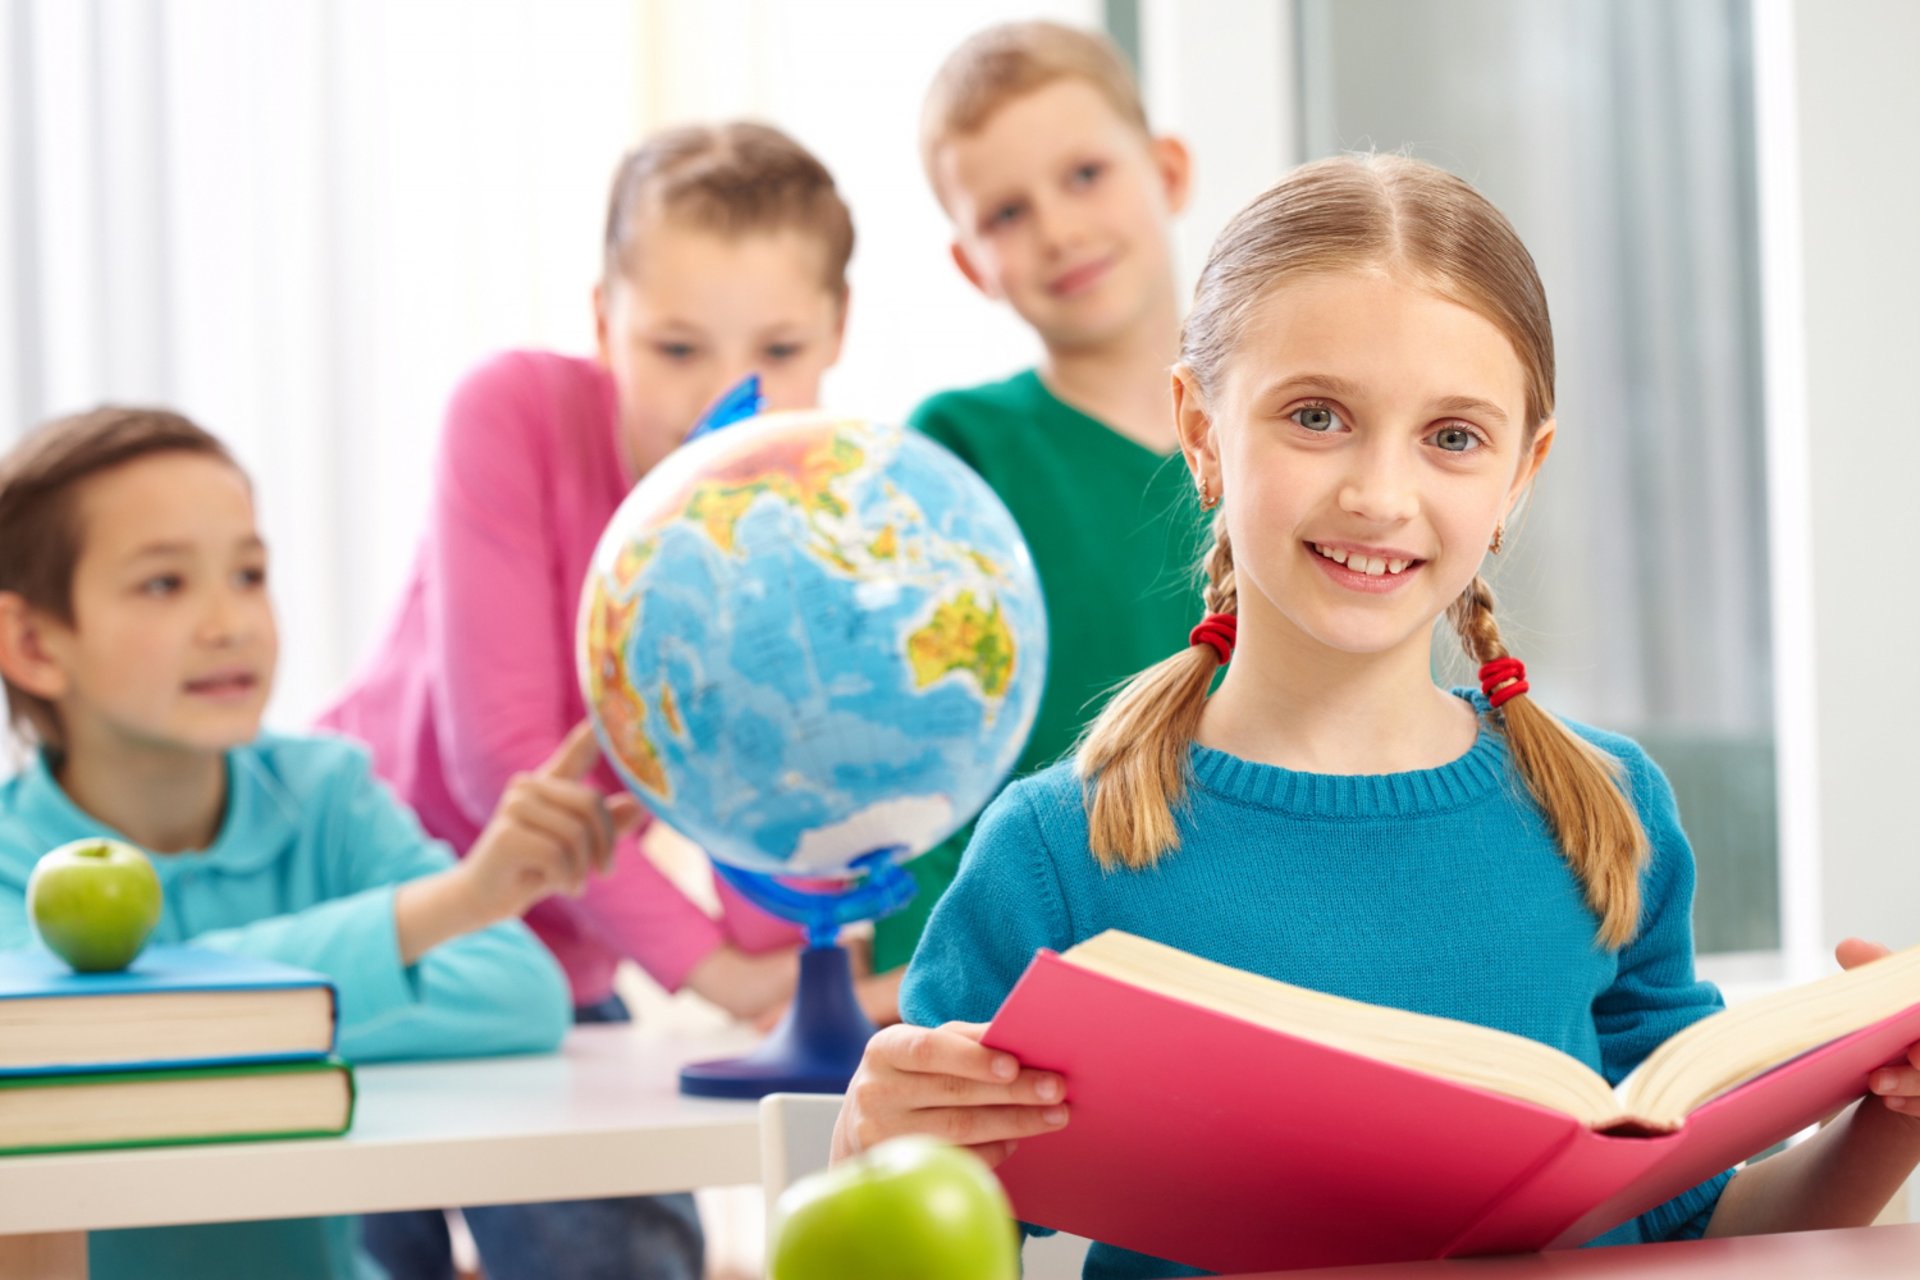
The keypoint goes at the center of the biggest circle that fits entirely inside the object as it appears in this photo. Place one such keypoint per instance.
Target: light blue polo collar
(258, 827)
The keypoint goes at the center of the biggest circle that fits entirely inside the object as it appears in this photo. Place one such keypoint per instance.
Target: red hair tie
(1216, 631)
(1510, 672)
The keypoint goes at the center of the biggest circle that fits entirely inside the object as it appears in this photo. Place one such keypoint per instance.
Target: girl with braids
(1365, 392)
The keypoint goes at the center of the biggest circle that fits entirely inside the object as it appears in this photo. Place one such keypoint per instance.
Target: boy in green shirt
(1037, 146)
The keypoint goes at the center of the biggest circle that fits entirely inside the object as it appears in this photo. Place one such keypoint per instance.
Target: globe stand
(818, 1043)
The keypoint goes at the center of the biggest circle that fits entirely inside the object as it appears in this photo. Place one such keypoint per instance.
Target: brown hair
(1421, 223)
(40, 534)
(993, 67)
(730, 179)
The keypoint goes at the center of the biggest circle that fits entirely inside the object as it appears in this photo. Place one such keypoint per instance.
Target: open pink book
(1235, 1123)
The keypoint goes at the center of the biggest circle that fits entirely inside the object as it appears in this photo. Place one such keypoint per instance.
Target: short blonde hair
(993, 67)
(729, 179)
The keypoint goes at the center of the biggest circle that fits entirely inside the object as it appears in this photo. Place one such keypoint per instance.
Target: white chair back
(796, 1137)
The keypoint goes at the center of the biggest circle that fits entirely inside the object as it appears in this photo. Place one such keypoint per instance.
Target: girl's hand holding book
(1897, 1087)
(550, 831)
(944, 1082)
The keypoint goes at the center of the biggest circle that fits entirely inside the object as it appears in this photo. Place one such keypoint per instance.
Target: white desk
(604, 1117)
(1862, 1253)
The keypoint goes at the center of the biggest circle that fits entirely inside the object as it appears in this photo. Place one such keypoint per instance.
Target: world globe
(807, 640)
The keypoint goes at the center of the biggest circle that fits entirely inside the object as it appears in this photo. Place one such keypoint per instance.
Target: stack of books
(185, 1046)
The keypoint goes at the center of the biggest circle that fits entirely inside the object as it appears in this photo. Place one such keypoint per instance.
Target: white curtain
(300, 221)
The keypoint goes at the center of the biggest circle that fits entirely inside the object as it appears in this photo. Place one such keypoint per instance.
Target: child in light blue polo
(138, 646)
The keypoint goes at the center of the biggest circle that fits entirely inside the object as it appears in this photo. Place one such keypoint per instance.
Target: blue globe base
(815, 1049)
(818, 1044)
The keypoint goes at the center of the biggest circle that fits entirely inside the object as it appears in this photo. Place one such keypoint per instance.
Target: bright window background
(300, 222)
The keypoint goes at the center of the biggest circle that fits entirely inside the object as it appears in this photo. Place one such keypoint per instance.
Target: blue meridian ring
(884, 887)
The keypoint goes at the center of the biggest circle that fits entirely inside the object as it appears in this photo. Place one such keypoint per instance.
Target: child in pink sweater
(726, 252)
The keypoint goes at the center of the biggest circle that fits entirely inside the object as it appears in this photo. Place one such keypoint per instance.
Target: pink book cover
(1211, 1141)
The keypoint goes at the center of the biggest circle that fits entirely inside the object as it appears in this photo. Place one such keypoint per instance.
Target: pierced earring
(1207, 499)
(1499, 536)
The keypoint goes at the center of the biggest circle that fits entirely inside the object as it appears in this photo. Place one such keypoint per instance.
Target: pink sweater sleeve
(500, 609)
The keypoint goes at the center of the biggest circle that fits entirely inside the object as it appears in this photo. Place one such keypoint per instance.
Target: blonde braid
(1576, 784)
(1133, 758)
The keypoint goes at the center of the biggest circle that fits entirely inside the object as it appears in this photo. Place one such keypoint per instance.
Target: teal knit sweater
(1440, 891)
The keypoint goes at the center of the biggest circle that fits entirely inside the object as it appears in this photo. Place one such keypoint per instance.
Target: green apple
(93, 902)
(910, 1209)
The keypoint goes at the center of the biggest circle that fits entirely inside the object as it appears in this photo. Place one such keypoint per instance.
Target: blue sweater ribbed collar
(1483, 771)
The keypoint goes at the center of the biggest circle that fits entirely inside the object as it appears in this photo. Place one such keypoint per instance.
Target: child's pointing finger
(574, 756)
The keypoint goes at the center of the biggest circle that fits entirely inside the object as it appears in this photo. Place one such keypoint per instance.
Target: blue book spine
(34, 973)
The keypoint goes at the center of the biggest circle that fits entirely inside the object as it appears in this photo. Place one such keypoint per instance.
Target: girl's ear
(1194, 426)
(840, 322)
(25, 658)
(600, 325)
(1531, 463)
